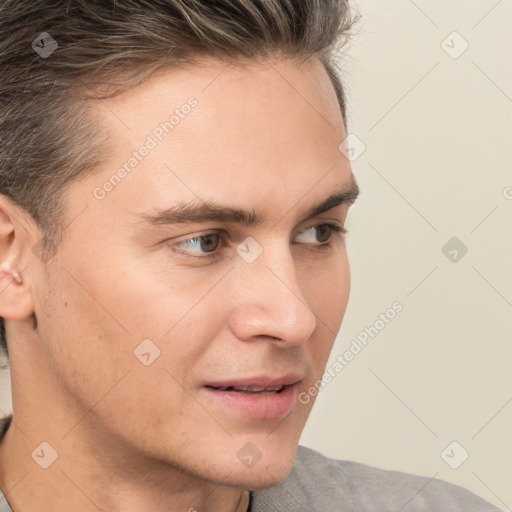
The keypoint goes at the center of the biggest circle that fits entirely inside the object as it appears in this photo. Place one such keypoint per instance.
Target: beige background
(438, 136)
(438, 133)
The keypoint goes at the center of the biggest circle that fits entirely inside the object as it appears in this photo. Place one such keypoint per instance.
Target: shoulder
(4, 424)
(321, 483)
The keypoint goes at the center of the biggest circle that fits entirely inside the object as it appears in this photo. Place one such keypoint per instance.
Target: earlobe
(4, 267)
(17, 277)
(16, 301)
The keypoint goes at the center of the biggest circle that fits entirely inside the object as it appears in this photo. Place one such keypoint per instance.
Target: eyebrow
(204, 211)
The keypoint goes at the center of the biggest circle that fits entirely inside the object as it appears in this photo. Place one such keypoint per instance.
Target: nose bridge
(271, 302)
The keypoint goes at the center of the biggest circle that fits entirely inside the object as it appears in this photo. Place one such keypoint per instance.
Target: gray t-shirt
(321, 484)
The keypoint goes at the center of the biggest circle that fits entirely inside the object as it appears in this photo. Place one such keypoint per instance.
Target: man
(172, 258)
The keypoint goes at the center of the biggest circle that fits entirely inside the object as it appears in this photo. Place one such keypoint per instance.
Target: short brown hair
(49, 139)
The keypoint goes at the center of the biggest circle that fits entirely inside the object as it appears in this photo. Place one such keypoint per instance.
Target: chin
(273, 466)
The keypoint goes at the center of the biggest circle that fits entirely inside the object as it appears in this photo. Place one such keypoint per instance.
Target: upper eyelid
(309, 224)
(220, 232)
(321, 222)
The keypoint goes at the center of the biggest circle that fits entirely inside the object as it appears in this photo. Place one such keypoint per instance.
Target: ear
(16, 301)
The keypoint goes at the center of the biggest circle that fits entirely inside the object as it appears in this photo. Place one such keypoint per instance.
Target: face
(199, 291)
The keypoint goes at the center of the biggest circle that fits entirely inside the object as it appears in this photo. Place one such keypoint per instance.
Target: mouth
(257, 398)
(250, 389)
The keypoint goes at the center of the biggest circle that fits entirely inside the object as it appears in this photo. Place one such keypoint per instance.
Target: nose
(270, 303)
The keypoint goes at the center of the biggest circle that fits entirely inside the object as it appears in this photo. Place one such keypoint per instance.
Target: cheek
(326, 288)
(93, 358)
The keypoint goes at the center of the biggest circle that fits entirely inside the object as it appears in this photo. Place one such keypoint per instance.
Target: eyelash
(337, 231)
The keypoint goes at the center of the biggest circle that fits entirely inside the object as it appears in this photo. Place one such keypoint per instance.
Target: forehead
(259, 132)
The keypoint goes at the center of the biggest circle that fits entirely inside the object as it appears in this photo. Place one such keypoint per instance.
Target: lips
(263, 397)
(263, 382)
(252, 389)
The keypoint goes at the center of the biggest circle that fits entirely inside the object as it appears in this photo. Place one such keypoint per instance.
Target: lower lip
(255, 405)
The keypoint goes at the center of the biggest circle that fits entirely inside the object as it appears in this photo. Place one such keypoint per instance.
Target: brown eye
(324, 232)
(200, 246)
(209, 243)
(320, 234)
